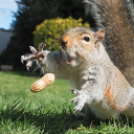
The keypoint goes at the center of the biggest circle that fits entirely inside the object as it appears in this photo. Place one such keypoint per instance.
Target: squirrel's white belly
(102, 111)
(76, 79)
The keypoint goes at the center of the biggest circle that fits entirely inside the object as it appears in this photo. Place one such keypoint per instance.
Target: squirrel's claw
(27, 57)
(28, 68)
(41, 46)
(23, 58)
(33, 50)
(29, 62)
(75, 91)
(35, 55)
(28, 65)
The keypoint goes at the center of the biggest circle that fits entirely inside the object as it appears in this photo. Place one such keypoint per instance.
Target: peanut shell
(43, 82)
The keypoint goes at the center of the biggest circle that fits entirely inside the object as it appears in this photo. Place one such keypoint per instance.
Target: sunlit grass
(48, 111)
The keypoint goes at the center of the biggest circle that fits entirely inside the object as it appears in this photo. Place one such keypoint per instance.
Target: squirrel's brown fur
(119, 41)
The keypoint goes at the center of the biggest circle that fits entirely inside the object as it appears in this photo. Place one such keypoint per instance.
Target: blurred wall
(5, 36)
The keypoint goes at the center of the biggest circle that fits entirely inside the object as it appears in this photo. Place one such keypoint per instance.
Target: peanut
(43, 82)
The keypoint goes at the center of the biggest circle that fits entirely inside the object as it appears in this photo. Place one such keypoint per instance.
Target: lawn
(49, 111)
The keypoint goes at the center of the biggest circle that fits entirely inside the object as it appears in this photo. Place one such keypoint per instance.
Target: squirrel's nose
(63, 44)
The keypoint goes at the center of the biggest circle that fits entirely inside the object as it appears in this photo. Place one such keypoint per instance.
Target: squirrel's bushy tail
(117, 18)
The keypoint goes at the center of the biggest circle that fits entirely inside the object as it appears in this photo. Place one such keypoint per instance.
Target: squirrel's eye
(86, 38)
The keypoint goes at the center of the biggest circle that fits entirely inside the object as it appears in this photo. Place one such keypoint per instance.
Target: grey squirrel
(117, 18)
(99, 84)
(83, 60)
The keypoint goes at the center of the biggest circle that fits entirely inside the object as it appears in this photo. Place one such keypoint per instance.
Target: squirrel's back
(116, 17)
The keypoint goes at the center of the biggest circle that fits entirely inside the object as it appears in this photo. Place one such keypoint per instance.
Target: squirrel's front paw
(79, 100)
(34, 55)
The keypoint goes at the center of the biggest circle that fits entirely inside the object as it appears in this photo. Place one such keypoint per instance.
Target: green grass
(49, 111)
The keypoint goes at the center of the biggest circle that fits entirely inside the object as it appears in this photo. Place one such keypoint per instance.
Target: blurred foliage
(50, 31)
(31, 13)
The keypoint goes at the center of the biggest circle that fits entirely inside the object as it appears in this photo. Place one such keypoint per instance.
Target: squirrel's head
(80, 42)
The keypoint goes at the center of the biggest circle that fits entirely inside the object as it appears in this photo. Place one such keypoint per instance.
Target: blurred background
(25, 23)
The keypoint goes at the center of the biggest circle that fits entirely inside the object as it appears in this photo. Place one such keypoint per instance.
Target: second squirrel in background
(117, 18)
(99, 84)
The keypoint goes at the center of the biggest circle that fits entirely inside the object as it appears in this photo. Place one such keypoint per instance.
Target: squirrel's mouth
(68, 58)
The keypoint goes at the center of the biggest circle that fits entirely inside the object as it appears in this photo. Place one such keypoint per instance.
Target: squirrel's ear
(99, 36)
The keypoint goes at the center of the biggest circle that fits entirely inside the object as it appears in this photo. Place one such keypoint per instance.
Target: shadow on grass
(48, 122)
(52, 122)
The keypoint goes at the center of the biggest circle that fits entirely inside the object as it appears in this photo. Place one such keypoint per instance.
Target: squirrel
(98, 84)
(116, 17)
